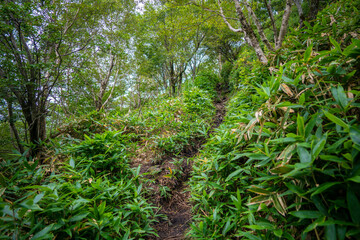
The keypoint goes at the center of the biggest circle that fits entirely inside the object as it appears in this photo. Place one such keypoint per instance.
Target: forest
(180, 119)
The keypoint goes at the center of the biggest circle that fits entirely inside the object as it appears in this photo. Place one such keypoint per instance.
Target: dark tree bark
(300, 11)
(314, 7)
(31, 66)
(13, 126)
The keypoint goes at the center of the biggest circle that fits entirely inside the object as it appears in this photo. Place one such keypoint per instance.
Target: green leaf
(101, 208)
(330, 232)
(313, 225)
(320, 205)
(78, 217)
(289, 105)
(319, 146)
(29, 204)
(38, 197)
(227, 227)
(337, 121)
(258, 190)
(278, 232)
(72, 163)
(282, 169)
(308, 52)
(233, 174)
(355, 135)
(340, 96)
(304, 155)
(310, 125)
(283, 140)
(300, 126)
(332, 158)
(354, 179)
(42, 234)
(302, 99)
(353, 205)
(306, 214)
(323, 187)
(260, 226)
(294, 188)
(247, 235)
(336, 45)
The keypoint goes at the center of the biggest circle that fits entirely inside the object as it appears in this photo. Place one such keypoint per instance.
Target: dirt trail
(170, 194)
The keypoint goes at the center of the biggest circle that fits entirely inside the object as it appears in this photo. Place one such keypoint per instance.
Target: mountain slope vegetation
(162, 120)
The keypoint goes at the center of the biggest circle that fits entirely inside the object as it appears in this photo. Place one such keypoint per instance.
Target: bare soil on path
(170, 194)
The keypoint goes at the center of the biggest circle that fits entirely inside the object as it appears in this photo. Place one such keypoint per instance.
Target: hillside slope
(285, 162)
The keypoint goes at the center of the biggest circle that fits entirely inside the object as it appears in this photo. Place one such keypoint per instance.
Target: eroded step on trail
(170, 194)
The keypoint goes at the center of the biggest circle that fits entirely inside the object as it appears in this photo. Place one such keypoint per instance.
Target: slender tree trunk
(42, 115)
(104, 82)
(259, 27)
(314, 6)
(268, 7)
(26, 139)
(220, 62)
(172, 79)
(251, 37)
(13, 127)
(284, 24)
(300, 11)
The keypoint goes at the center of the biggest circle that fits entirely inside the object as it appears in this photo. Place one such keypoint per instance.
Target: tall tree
(175, 31)
(249, 31)
(36, 37)
(103, 65)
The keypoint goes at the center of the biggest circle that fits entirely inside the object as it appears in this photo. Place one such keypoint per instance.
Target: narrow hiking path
(169, 181)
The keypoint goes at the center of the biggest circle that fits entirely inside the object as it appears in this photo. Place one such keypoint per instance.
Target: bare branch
(268, 7)
(226, 21)
(259, 27)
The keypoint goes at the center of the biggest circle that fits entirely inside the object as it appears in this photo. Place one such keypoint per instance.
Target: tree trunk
(220, 63)
(13, 127)
(104, 82)
(172, 79)
(250, 34)
(314, 6)
(259, 27)
(300, 11)
(284, 24)
(268, 7)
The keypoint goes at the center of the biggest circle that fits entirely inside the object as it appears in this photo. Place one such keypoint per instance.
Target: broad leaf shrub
(207, 81)
(96, 195)
(285, 164)
(175, 123)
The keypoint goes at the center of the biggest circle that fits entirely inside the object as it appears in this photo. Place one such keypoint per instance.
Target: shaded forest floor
(169, 176)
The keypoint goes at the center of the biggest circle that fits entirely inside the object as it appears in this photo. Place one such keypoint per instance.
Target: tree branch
(268, 7)
(258, 26)
(226, 21)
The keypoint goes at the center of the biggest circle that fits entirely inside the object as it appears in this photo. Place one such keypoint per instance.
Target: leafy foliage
(96, 195)
(286, 159)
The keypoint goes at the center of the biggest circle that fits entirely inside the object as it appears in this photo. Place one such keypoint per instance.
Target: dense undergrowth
(285, 163)
(88, 189)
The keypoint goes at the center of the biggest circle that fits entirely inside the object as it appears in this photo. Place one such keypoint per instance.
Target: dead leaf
(350, 94)
(287, 90)
(286, 108)
(332, 19)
